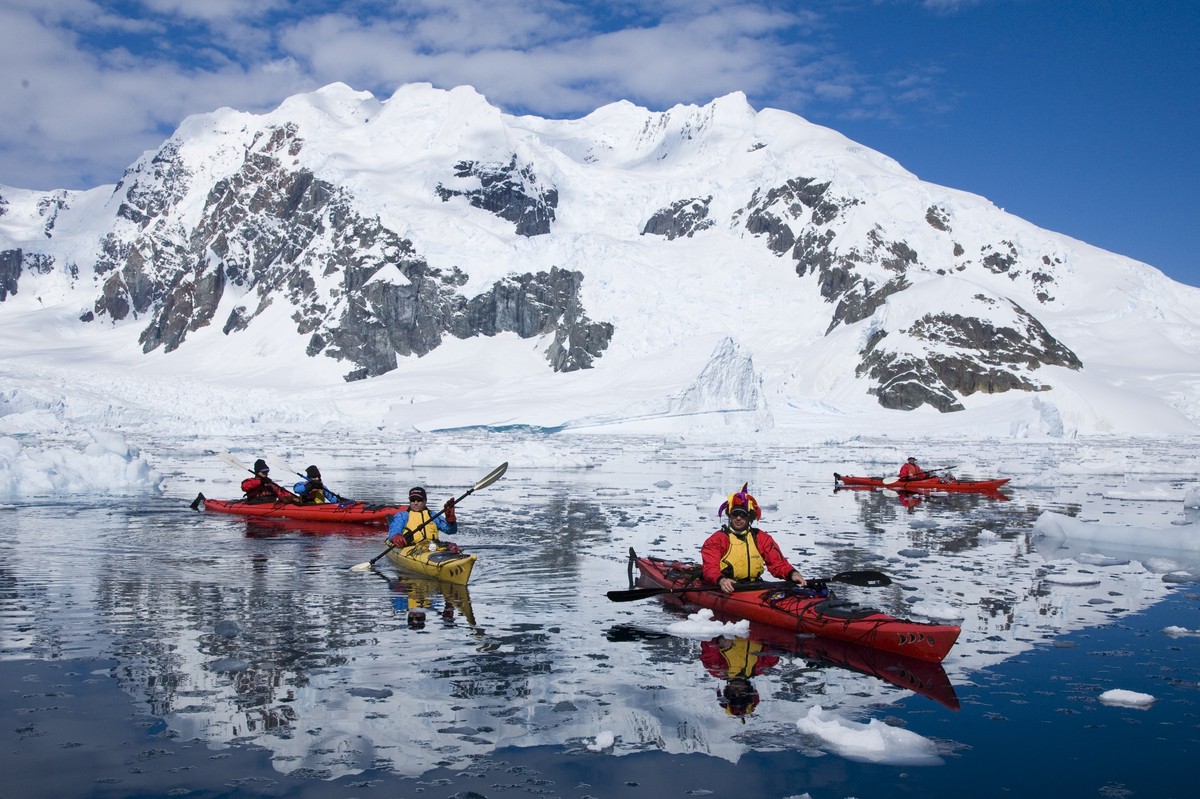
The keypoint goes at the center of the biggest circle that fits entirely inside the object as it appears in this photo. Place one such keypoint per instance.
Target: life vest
(742, 560)
(741, 658)
(311, 492)
(415, 519)
(257, 489)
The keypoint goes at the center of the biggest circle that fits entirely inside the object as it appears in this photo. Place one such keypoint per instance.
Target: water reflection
(272, 528)
(238, 632)
(415, 596)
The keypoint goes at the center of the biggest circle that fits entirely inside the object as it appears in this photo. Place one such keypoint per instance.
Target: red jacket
(718, 544)
(911, 471)
(258, 488)
(727, 659)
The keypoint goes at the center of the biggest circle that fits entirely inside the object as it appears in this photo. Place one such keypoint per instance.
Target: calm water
(148, 650)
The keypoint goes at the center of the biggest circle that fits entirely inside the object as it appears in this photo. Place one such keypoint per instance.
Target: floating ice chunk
(1072, 579)
(702, 625)
(1094, 559)
(1124, 698)
(937, 611)
(873, 742)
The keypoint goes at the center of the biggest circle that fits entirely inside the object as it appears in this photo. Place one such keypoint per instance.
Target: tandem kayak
(793, 607)
(439, 561)
(351, 512)
(926, 484)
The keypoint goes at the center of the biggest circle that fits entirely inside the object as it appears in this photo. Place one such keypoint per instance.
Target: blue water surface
(150, 650)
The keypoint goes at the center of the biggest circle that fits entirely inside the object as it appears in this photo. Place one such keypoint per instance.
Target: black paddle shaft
(866, 578)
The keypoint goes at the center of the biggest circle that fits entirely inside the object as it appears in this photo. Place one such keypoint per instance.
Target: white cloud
(96, 88)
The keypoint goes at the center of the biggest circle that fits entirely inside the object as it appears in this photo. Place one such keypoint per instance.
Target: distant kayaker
(911, 471)
(414, 526)
(739, 551)
(311, 490)
(261, 488)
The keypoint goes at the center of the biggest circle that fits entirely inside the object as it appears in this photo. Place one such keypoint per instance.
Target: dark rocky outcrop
(962, 355)
(509, 192)
(361, 293)
(10, 272)
(680, 218)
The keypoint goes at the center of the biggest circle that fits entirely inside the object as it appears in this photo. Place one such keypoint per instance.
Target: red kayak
(792, 607)
(351, 512)
(925, 484)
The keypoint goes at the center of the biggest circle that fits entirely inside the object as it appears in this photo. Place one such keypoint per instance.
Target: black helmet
(260, 466)
(313, 473)
(739, 698)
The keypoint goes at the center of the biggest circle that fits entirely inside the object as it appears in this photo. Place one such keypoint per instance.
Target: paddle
(234, 462)
(339, 497)
(867, 578)
(484, 482)
(891, 481)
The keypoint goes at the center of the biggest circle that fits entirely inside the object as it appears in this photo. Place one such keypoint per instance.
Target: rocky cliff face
(275, 218)
(277, 234)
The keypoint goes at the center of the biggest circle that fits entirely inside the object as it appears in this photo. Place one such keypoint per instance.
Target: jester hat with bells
(742, 499)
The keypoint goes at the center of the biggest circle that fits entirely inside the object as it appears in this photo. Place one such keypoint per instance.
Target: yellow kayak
(440, 562)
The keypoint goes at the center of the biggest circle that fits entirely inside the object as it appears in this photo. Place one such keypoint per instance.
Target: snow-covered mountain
(708, 266)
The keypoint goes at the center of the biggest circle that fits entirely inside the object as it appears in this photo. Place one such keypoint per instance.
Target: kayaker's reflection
(416, 597)
(736, 660)
(909, 500)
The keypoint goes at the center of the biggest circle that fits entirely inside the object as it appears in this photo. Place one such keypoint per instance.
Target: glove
(449, 508)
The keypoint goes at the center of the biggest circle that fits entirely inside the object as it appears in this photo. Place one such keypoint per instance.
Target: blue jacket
(396, 528)
(302, 486)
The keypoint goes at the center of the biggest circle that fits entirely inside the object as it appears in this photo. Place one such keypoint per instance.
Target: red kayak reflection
(273, 528)
(737, 660)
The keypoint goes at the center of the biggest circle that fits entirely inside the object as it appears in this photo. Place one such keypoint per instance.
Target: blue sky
(1081, 116)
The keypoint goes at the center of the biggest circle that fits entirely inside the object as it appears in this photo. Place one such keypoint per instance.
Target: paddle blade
(196, 502)
(634, 594)
(234, 462)
(361, 567)
(491, 477)
(866, 578)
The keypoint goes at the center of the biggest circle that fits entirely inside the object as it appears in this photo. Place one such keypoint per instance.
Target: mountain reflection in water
(238, 634)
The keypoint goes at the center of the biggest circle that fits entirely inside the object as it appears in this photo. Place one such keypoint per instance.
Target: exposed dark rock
(358, 291)
(10, 272)
(855, 305)
(774, 211)
(905, 383)
(937, 218)
(972, 355)
(1029, 344)
(49, 208)
(681, 218)
(1000, 262)
(780, 237)
(516, 195)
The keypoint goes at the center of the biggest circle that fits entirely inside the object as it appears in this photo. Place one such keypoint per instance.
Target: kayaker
(413, 526)
(739, 551)
(261, 488)
(911, 471)
(311, 490)
(736, 660)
